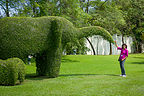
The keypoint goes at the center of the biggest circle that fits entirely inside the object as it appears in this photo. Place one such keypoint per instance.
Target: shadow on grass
(35, 77)
(141, 62)
(17, 84)
(139, 57)
(65, 75)
(68, 60)
(137, 62)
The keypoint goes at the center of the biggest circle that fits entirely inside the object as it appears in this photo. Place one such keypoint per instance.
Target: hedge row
(11, 70)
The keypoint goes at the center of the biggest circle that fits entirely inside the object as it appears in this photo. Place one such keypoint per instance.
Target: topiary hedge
(11, 70)
(43, 36)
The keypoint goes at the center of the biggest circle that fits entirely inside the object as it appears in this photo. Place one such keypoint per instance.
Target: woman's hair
(124, 45)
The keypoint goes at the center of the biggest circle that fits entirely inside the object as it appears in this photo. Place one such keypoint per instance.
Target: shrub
(11, 70)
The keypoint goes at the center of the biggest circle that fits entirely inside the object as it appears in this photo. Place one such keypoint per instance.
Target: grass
(85, 76)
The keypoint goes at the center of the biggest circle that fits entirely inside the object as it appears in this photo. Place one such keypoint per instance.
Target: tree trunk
(140, 47)
(138, 41)
(136, 44)
(87, 10)
(91, 46)
(122, 39)
(87, 7)
(110, 49)
(34, 8)
(97, 46)
(34, 11)
(136, 47)
(60, 7)
(7, 9)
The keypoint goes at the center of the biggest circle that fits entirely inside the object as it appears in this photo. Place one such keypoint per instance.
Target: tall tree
(86, 5)
(5, 6)
(107, 15)
(133, 11)
(10, 6)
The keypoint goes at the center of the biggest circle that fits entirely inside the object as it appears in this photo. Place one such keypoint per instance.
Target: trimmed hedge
(43, 36)
(11, 70)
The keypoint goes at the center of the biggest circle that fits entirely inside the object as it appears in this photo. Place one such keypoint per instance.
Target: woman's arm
(116, 44)
(118, 48)
(124, 58)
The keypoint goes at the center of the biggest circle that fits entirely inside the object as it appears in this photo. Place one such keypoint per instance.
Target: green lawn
(85, 76)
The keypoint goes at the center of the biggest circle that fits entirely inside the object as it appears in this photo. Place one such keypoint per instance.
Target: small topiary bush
(11, 70)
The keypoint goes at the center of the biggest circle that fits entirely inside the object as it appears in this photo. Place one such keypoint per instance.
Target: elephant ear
(95, 30)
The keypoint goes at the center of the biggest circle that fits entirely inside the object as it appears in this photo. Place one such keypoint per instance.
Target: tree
(71, 10)
(133, 11)
(85, 5)
(10, 6)
(107, 15)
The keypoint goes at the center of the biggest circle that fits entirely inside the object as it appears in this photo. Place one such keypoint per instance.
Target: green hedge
(11, 70)
(43, 36)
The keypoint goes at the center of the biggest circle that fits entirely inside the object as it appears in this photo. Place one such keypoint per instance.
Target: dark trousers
(122, 67)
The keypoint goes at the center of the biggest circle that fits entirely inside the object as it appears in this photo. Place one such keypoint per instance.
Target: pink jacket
(124, 53)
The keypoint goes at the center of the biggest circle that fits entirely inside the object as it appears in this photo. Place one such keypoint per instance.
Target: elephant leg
(41, 64)
(48, 63)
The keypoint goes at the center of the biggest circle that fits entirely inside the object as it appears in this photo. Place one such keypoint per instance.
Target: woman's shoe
(123, 75)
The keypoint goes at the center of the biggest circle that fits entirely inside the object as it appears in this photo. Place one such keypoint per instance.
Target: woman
(122, 58)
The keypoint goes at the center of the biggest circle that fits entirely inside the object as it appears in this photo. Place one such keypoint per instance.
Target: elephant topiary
(43, 36)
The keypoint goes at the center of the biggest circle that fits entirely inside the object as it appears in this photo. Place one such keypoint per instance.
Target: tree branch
(91, 46)
(3, 7)
(103, 3)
